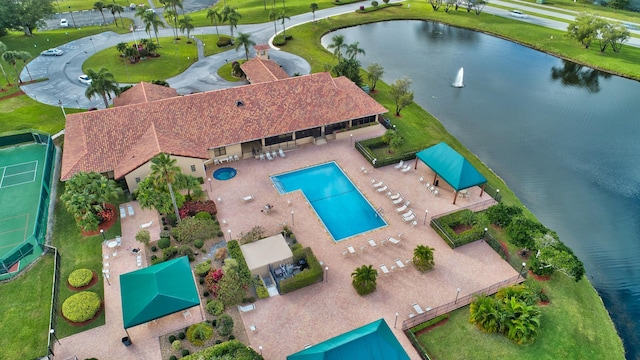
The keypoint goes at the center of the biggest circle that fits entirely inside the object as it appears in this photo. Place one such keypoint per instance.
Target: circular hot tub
(224, 173)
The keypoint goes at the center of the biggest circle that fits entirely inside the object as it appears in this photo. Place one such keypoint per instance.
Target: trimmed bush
(181, 336)
(199, 333)
(215, 307)
(221, 254)
(225, 325)
(164, 242)
(199, 243)
(185, 352)
(81, 277)
(203, 215)
(176, 345)
(231, 337)
(219, 233)
(192, 228)
(172, 338)
(223, 41)
(81, 307)
(169, 252)
(154, 248)
(165, 233)
(374, 3)
(171, 219)
(203, 268)
(173, 357)
(262, 291)
(232, 349)
(185, 250)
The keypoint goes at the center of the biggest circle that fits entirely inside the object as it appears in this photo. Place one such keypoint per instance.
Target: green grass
(587, 6)
(174, 59)
(210, 44)
(565, 331)
(25, 310)
(225, 71)
(22, 112)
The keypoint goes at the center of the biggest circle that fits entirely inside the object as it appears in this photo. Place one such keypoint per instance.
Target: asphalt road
(63, 87)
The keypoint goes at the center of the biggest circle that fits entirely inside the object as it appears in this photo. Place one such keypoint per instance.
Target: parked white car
(84, 79)
(518, 14)
(64, 23)
(52, 52)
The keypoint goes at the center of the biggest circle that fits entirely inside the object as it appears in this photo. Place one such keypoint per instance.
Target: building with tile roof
(206, 127)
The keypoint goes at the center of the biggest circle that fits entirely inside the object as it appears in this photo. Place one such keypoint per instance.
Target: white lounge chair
(403, 207)
(123, 213)
(281, 153)
(118, 241)
(400, 264)
(273, 154)
(417, 308)
(261, 156)
(400, 164)
(382, 189)
(146, 225)
(406, 168)
(216, 162)
(408, 213)
(247, 198)
(236, 158)
(130, 210)
(395, 197)
(385, 269)
(409, 218)
(246, 308)
(394, 240)
(351, 250)
(397, 201)
(421, 179)
(269, 157)
(363, 170)
(373, 244)
(414, 223)
(378, 184)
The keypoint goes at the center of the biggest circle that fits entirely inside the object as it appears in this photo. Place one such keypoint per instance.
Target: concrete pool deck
(285, 324)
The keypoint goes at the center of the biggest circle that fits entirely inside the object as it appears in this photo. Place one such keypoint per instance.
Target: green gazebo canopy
(374, 341)
(451, 166)
(156, 291)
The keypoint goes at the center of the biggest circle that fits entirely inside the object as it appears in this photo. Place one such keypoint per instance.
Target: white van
(64, 23)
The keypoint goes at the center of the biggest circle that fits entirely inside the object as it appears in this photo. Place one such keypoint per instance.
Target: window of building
(137, 180)
(193, 168)
(220, 151)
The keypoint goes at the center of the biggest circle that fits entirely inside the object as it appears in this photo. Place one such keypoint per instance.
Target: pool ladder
(379, 211)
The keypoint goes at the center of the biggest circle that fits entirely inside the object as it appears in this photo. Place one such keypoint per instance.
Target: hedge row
(448, 222)
(232, 349)
(366, 150)
(305, 278)
(243, 268)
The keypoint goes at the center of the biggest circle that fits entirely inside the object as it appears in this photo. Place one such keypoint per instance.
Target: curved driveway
(63, 87)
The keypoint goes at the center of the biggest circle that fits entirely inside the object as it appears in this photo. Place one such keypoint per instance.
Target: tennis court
(24, 195)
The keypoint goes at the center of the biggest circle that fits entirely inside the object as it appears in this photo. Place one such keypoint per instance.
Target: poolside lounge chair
(385, 269)
(130, 210)
(373, 244)
(394, 240)
(123, 213)
(435, 193)
(118, 241)
(363, 170)
(216, 162)
(409, 218)
(421, 179)
(261, 156)
(400, 264)
(377, 184)
(273, 154)
(146, 225)
(406, 168)
(400, 164)
(351, 250)
(382, 189)
(247, 198)
(236, 158)
(408, 213)
(397, 201)
(395, 197)
(417, 308)
(246, 308)
(414, 223)
(403, 207)
(282, 153)
(269, 157)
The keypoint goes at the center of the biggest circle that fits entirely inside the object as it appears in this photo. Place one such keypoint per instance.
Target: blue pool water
(339, 204)
(224, 173)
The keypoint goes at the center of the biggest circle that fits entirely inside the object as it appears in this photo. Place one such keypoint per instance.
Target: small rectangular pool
(341, 207)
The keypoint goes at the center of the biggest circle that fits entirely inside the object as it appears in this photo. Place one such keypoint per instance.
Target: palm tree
(214, 16)
(232, 15)
(102, 84)
(172, 15)
(132, 53)
(364, 279)
(12, 57)
(186, 24)
(353, 50)
(314, 7)
(121, 47)
(282, 16)
(99, 5)
(244, 40)
(115, 8)
(189, 183)
(337, 43)
(273, 16)
(165, 171)
(423, 258)
(3, 49)
(522, 323)
(483, 312)
(25, 56)
(151, 20)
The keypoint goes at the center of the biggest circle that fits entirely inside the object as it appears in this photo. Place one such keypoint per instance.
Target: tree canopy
(401, 93)
(25, 15)
(85, 196)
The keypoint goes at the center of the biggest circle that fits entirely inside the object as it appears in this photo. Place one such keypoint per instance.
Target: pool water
(339, 204)
(224, 173)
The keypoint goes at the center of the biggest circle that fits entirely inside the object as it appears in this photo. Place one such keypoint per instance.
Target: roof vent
(239, 103)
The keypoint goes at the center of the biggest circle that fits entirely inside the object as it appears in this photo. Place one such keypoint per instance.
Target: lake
(563, 137)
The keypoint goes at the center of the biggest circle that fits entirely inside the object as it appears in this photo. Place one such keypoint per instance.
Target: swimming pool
(339, 204)
(224, 173)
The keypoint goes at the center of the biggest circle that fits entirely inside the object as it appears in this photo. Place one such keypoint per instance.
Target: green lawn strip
(565, 332)
(25, 307)
(209, 42)
(624, 15)
(535, 5)
(174, 59)
(22, 112)
(225, 72)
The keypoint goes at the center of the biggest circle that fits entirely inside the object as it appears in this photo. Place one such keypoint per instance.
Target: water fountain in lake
(459, 79)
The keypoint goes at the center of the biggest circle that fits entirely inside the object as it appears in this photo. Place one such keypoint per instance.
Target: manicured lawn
(22, 112)
(174, 59)
(25, 307)
(566, 331)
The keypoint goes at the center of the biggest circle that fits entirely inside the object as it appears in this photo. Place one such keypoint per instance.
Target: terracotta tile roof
(144, 92)
(259, 71)
(262, 47)
(123, 138)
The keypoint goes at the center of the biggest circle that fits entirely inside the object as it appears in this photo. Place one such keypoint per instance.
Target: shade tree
(401, 94)
(85, 198)
(374, 73)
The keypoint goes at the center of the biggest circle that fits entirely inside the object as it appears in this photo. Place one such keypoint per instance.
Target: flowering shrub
(191, 208)
(361, 7)
(106, 215)
(211, 281)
